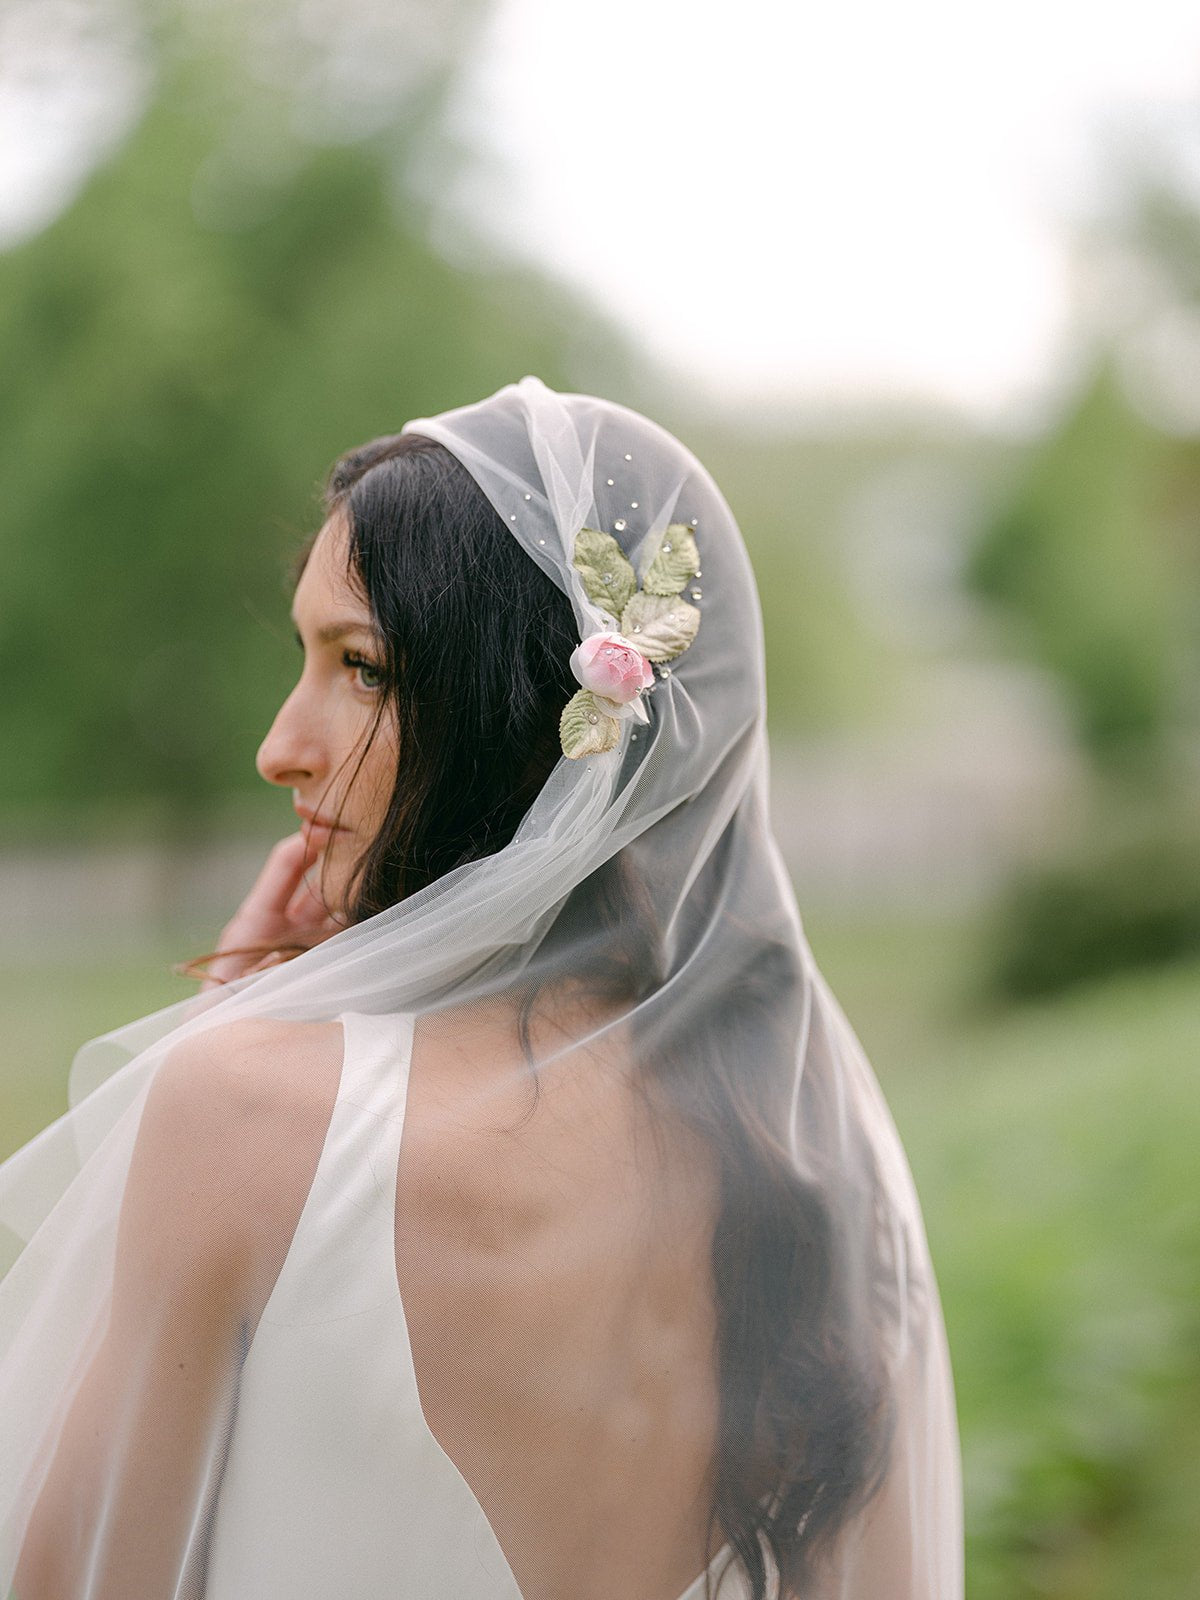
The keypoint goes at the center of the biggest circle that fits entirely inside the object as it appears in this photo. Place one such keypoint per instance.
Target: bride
(514, 1215)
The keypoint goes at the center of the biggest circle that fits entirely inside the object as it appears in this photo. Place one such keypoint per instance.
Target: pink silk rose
(608, 665)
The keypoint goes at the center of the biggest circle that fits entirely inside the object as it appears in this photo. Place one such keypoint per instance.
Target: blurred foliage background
(984, 690)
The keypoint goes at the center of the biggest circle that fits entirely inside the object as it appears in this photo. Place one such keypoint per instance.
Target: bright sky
(839, 200)
(856, 199)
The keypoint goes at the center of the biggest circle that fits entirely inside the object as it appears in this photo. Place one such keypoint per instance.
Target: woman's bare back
(553, 1262)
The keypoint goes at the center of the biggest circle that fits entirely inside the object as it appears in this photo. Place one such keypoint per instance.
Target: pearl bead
(592, 717)
(619, 524)
(628, 457)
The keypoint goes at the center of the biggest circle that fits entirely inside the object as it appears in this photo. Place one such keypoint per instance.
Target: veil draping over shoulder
(646, 876)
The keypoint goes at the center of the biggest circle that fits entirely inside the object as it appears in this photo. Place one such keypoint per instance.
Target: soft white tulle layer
(304, 1455)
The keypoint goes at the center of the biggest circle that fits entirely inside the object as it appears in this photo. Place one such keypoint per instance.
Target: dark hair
(802, 1421)
(448, 584)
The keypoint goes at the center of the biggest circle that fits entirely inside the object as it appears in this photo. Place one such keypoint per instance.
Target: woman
(516, 1216)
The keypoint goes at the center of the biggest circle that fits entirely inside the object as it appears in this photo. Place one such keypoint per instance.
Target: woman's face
(314, 744)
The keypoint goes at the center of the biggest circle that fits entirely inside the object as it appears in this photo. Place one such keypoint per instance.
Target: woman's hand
(280, 910)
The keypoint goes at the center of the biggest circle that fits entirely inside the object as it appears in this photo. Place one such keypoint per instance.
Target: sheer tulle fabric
(622, 997)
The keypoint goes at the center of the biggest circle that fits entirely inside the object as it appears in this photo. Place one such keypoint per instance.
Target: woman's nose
(291, 753)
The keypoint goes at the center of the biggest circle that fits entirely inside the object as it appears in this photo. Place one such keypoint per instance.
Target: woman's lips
(314, 823)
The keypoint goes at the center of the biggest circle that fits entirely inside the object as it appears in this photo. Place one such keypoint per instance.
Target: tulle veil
(652, 865)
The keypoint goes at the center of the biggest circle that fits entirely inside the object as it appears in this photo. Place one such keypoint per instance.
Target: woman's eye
(370, 676)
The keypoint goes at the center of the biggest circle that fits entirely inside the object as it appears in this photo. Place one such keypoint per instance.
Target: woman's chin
(328, 874)
(319, 836)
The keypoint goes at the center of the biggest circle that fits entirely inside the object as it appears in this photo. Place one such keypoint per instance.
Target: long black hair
(477, 641)
(450, 588)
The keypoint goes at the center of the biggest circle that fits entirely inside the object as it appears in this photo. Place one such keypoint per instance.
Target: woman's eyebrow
(333, 631)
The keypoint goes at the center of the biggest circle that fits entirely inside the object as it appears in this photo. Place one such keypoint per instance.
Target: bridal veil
(647, 867)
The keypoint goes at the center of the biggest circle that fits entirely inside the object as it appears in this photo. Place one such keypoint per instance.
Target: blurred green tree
(1081, 555)
(247, 287)
(1095, 552)
(1095, 556)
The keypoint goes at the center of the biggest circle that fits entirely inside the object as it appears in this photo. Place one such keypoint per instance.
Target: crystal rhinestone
(529, 497)
(695, 594)
(632, 737)
(628, 457)
(667, 547)
(670, 616)
(512, 516)
(606, 577)
(633, 505)
(697, 573)
(666, 672)
(619, 524)
(592, 717)
(637, 627)
(610, 482)
(695, 521)
(541, 541)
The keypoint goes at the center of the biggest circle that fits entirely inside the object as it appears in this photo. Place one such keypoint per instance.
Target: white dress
(326, 1494)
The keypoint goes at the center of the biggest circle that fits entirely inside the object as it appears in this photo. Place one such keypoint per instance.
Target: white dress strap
(353, 1192)
(376, 1061)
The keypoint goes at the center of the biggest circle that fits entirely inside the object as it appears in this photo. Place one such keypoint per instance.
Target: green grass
(1055, 1151)
(42, 1034)
(1054, 1148)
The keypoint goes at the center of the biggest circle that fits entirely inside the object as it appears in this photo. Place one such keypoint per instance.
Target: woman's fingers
(282, 872)
(282, 907)
(305, 904)
(311, 922)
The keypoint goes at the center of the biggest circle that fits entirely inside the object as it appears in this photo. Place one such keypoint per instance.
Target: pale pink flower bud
(608, 665)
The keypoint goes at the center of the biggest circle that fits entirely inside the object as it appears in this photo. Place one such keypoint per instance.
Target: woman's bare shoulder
(229, 1139)
(250, 1068)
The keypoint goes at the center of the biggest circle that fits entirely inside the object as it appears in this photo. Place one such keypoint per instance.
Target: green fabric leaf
(585, 730)
(673, 562)
(608, 576)
(662, 626)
